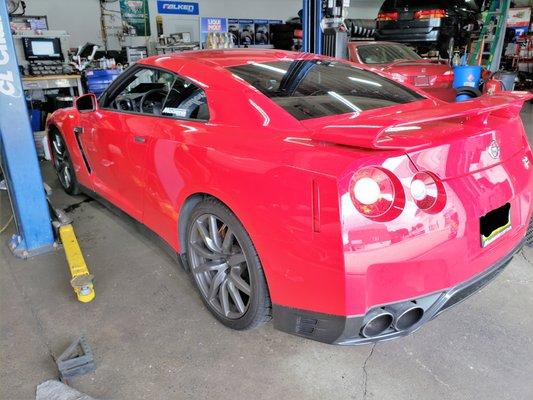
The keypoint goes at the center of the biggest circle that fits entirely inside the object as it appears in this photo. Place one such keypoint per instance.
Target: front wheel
(63, 164)
(226, 268)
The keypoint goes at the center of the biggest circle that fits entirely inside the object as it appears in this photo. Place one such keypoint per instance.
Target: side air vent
(306, 326)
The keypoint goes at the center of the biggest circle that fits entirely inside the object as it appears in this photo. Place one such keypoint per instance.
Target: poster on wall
(136, 16)
(233, 28)
(262, 31)
(212, 25)
(246, 32)
(519, 17)
(177, 7)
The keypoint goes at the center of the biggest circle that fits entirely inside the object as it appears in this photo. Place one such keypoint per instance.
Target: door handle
(78, 130)
(139, 139)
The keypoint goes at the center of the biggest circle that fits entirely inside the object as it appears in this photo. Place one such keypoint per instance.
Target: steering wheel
(151, 106)
(124, 104)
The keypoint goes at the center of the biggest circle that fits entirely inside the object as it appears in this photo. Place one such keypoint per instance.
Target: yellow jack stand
(82, 280)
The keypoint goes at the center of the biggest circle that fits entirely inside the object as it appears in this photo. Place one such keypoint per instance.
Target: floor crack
(525, 257)
(365, 372)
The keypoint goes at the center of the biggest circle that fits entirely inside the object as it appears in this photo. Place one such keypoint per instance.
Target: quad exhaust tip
(378, 321)
(400, 317)
(405, 314)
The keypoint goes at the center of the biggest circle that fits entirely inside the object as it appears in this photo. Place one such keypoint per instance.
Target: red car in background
(404, 65)
(344, 205)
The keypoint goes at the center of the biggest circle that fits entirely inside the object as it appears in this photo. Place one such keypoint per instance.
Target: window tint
(143, 92)
(384, 54)
(314, 88)
(186, 100)
(160, 93)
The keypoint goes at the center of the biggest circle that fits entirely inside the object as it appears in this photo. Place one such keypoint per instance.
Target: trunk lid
(421, 73)
(449, 139)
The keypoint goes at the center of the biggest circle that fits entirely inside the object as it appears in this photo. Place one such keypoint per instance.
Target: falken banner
(136, 16)
(177, 7)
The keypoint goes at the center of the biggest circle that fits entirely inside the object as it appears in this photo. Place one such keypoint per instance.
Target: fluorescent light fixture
(365, 81)
(345, 101)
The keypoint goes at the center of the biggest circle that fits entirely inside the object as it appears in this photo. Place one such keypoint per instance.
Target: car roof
(226, 58)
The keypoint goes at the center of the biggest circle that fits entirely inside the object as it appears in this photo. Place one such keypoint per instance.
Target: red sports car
(404, 65)
(344, 205)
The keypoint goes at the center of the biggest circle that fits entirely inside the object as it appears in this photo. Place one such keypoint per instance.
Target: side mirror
(86, 103)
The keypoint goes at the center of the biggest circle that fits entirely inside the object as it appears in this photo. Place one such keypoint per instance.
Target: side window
(186, 101)
(144, 92)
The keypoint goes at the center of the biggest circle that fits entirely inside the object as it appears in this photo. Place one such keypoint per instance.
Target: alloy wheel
(61, 161)
(219, 266)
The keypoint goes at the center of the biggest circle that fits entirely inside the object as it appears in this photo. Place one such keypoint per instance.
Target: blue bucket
(466, 76)
(99, 80)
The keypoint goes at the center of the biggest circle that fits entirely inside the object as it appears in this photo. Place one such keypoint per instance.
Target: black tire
(469, 91)
(446, 48)
(63, 164)
(258, 305)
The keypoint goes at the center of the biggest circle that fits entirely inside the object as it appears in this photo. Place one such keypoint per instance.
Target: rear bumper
(422, 32)
(341, 330)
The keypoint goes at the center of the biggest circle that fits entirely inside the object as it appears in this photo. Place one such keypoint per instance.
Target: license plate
(495, 224)
(421, 81)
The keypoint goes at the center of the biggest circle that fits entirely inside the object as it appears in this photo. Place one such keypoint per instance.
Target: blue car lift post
(19, 156)
(311, 19)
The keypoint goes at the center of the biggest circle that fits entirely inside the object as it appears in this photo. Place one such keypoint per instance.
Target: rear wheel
(63, 164)
(225, 267)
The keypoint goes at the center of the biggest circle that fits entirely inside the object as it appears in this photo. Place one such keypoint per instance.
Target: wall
(81, 18)
(364, 9)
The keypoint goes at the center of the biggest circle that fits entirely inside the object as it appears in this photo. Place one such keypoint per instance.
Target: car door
(184, 115)
(116, 137)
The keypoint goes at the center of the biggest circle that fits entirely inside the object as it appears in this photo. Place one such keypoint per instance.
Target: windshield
(385, 53)
(315, 88)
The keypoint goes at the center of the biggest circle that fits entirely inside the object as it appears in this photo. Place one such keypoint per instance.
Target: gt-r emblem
(525, 161)
(494, 149)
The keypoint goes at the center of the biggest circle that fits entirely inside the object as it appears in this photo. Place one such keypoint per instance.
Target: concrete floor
(153, 338)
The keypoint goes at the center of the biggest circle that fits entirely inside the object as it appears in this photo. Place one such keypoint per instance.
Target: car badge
(494, 149)
(526, 162)
(424, 70)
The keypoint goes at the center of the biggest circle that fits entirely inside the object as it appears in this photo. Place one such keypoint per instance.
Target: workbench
(48, 82)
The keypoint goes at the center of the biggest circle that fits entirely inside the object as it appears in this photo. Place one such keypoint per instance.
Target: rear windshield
(427, 4)
(384, 54)
(314, 88)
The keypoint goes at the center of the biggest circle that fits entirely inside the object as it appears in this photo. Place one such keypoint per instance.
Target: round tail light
(428, 192)
(377, 194)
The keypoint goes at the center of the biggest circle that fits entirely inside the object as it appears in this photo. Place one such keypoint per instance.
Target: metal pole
(19, 155)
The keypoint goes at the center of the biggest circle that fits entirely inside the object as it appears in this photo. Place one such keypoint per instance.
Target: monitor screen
(42, 48)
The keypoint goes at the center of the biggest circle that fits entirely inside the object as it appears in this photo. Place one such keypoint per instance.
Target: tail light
(427, 14)
(377, 194)
(388, 16)
(445, 79)
(428, 192)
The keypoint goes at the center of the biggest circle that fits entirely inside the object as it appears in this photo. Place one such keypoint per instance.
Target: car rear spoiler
(379, 132)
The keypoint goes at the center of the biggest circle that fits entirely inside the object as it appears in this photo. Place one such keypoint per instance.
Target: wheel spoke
(224, 298)
(210, 266)
(236, 296)
(236, 259)
(202, 251)
(214, 233)
(228, 240)
(240, 283)
(205, 236)
(215, 284)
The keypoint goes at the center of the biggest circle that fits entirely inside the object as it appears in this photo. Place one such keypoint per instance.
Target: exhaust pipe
(405, 315)
(377, 322)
